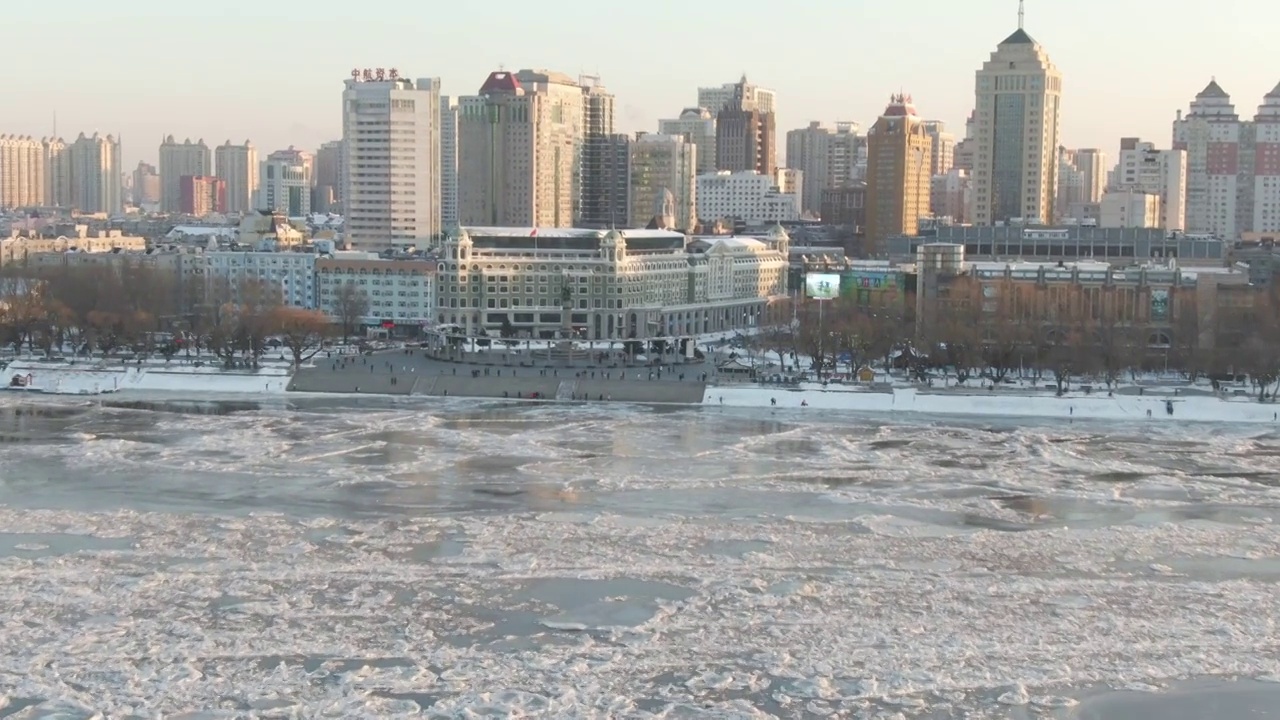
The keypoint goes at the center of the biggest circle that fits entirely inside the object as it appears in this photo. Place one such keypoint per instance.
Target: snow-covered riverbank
(1002, 403)
(62, 378)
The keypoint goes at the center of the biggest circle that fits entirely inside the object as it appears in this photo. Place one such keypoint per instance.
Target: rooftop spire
(1022, 13)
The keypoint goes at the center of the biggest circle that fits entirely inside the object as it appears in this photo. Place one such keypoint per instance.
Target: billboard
(822, 286)
(873, 280)
(1159, 305)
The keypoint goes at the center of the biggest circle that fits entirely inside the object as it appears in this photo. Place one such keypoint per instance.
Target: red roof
(500, 81)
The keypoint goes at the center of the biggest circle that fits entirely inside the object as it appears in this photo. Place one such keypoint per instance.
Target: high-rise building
(752, 97)
(942, 157)
(899, 151)
(448, 163)
(809, 151)
(605, 157)
(664, 169)
(963, 156)
(21, 171)
(698, 126)
(57, 173)
(284, 185)
(328, 166)
(146, 187)
(1233, 178)
(949, 195)
(1163, 173)
(746, 197)
(94, 172)
(1015, 173)
(203, 195)
(1266, 168)
(606, 195)
(520, 142)
(846, 156)
(1092, 164)
(237, 165)
(178, 160)
(391, 171)
(745, 133)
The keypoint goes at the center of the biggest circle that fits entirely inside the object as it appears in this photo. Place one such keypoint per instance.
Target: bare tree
(303, 331)
(351, 305)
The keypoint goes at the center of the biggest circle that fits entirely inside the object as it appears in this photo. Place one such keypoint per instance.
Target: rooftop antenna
(1022, 12)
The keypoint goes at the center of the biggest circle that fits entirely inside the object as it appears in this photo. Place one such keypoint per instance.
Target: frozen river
(373, 558)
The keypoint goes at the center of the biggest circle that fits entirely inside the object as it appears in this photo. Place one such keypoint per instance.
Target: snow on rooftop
(637, 234)
(201, 230)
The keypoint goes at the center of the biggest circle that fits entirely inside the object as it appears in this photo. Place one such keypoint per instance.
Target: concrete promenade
(503, 375)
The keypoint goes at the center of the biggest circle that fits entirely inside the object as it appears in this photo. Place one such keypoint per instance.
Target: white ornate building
(612, 285)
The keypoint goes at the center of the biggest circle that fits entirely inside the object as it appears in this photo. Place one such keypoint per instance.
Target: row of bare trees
(102, 310)
(995, 344)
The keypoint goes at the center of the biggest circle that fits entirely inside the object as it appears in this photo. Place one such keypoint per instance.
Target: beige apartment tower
(179, 160)
(237, 165)
(21, 171)
(520, 150)
(1015, 169)
(899, 155)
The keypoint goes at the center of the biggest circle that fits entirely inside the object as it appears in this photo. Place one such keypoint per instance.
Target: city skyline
(188, 94)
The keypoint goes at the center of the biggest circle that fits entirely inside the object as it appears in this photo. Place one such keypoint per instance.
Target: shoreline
(278, 383)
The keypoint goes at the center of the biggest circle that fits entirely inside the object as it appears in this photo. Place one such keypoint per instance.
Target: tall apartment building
(605, 155)
(448, 163)
(237, 166)
(746, 134)
(146, 187)
(328, 167)
(178, 160)
(663, 179)
(1015, 173)
(899, 153)
(1266, 164)
(94, 172)
(949, 195)
(943, 155)
(21, 171)
(846, 156)
(1092, 164)
(809, 151)
(521, 149)
(391, 171)
(966, 149)
(1163, 173)
(1082, 178)
(1233, 175)
(698, 126)
(284, 185)
(203, 195)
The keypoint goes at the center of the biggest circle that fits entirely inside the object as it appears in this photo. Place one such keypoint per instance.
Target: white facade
(611, 285)
(1129, 209)
(697, 126)
(662, 165)
(846, 156)
(292, 273)
(237, 165)
(949, 195)
(943, 145)
(400, 290)
(1015, 173)
(21, 171)
(1143, 168)
(284, 187)
(391, 130)
(57, 173)
(448, 162)
(179, 160)
(747, 196)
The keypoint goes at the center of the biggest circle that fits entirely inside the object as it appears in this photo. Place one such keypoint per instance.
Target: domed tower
(463, 242)
(778, 239)
(613, 246)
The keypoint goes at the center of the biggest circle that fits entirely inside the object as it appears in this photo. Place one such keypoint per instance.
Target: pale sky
(271, 71)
